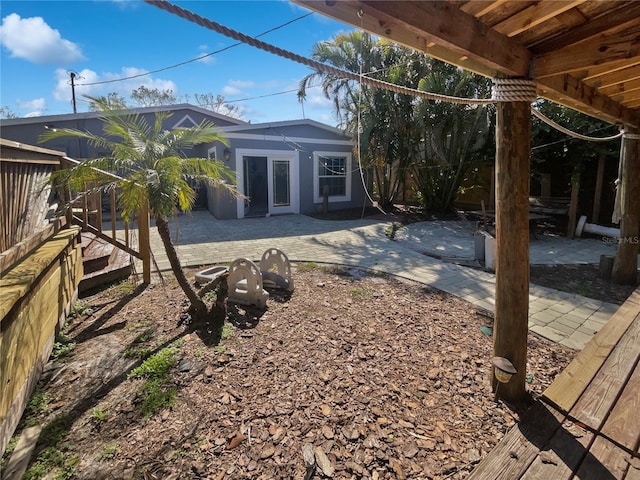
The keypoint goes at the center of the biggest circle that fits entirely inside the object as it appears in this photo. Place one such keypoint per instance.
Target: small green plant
(145, 336)
(11, 446)
(63, 347)
(52, 459)
(583, 290)
(332, 269)
(122, 289)
(158, 365)
(378, 273)
(140, 324)
(306, 266)
(210, 296)
(359, 292)
(154, 394)
(109, 451)
(198, 353)
(54, 455)
(219, 349)
(227, 331)
(391, 230)
(37, 406)
(78, 309)
(99, 415)
(137, 352)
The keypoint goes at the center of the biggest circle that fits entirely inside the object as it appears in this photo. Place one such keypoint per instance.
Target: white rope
(514, 90)
(562, 129)
(358, 152)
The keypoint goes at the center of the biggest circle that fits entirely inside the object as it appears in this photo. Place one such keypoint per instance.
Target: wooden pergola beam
(534, 15)
(436, 28)
(569, 91)
(449, 34)
(625, 11)
(608, 47)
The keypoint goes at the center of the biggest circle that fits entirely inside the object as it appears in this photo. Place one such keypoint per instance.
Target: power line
(194, 59)
(254, 42)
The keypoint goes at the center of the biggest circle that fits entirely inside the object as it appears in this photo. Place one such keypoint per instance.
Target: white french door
(280, 182)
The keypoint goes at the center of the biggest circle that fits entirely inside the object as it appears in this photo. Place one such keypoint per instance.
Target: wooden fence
(41, 265)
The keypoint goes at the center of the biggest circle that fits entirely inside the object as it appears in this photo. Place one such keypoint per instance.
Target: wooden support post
(625, 265)
(513, 138)
(492, 190)
(573, 204)
(112, 204)
(144, 243)
(597, 196)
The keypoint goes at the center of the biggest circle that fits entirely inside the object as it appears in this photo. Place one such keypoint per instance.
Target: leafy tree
(381, 119)
(553, 150)
(217, 103)
(151, 97)
(401, 134)
(154, 171)
(6, 112)
(114, 100)
(455, 136)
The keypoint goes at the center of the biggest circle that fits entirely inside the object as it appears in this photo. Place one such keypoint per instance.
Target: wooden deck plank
(563, 455)
(567, 388)
(519, 448)
(623, 423)
(605, 461)
(633, 472)
(599, 398)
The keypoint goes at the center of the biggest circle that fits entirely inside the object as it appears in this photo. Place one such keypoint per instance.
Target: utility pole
(73, 91)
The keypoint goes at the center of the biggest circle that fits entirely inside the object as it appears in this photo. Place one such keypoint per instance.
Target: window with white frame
(212, 153)
(332, 171)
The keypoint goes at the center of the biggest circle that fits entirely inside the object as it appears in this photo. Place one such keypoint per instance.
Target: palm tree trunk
(198, 305)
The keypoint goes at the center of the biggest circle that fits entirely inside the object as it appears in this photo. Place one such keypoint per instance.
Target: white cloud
(34, 108)
(33, 40)
(85, 78)
(204, 50)
(318, 100)
(228, 90)
(242, 83)
(234, 88)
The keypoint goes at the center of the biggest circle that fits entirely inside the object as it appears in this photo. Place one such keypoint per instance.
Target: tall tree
(400, 134)
(6, 112)
(151, 97)
(455, 137)
(113, 99)
(154, 169)
(380, 119)
(564, 156)
(217, 103)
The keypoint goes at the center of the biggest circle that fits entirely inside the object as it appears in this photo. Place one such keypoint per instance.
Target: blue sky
(42, 41)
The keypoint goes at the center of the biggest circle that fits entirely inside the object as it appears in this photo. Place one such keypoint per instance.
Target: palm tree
(454, 137)
(152, 169)
(380, 119)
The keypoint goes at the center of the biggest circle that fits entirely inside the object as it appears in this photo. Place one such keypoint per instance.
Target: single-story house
(280, 167)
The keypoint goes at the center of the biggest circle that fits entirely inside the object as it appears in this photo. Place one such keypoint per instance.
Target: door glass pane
(281, 183)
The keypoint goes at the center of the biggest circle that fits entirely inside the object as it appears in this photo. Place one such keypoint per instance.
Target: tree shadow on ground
(94, 328)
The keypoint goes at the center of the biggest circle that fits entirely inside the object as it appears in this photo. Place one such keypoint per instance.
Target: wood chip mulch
(350, 376)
